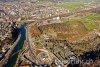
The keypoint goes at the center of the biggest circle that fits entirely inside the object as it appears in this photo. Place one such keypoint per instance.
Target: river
(12, 60)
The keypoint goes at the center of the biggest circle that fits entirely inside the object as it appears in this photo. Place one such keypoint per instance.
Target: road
(29, 45)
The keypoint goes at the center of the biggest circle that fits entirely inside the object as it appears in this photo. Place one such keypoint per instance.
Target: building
(2, 13)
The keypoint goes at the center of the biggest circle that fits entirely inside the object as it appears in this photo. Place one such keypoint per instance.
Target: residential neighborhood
(49, 33)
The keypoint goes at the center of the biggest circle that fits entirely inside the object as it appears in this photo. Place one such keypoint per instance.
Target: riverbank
(18, 47)
(7, 56)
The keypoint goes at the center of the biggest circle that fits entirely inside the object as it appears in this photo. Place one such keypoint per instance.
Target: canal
(12, 60)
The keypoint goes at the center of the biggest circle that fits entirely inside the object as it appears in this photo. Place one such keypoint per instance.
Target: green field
(88, 21)
(93, 16)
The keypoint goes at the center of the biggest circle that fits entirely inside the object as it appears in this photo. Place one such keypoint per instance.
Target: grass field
(88, 21)
(90, 24)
